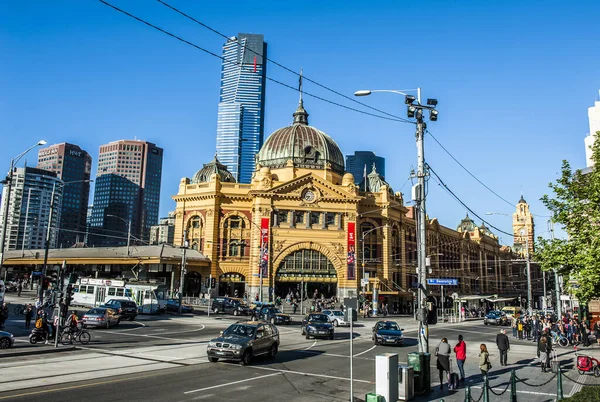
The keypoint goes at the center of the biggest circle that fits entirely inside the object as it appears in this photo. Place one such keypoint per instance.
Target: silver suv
(244, 340)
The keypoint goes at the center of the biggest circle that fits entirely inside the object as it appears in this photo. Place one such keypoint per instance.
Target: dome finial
(300, 115)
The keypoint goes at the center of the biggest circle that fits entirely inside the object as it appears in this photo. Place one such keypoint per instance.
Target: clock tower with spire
(523, 228)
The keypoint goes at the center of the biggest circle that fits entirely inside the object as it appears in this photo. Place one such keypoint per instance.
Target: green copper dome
(213, 167)
(306, 146)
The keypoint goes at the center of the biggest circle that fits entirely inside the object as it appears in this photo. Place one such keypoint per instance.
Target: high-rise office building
(127, 192)
(363, 161)
(240, 125)
(29, 209)
(164, 232)
(594, 120)
(73, 166)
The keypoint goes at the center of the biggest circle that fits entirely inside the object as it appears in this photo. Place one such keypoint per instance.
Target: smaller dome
(347, 179)
(466, 225)
(208, 170)
(522, 200)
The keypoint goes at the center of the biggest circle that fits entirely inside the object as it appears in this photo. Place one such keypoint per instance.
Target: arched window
(371, 245)
(306, 262)
(234, 234)
(194, 232)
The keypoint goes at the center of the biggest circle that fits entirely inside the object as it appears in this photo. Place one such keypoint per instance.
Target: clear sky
(514, 80)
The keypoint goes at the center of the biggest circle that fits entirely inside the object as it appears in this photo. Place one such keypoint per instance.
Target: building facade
(127, 192)
(29, 209)
(303, 220)
(73, 166)
(594, 121)
(164, 232)
(361, 163)
(241, 115)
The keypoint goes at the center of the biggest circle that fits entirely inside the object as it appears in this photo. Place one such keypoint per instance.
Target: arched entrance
(232, 284)
(309, 267)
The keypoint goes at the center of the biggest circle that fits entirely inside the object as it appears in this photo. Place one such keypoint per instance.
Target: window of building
(282, 216)
(234, 234)
(315, 218)
(298, 217)
(330, 219)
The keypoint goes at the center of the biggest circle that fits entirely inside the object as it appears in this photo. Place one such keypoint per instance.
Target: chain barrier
(580, 383)
(480, 396)
(501, 393)
(536, 385)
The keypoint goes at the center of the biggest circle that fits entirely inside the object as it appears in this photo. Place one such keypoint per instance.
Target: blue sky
(514, 81)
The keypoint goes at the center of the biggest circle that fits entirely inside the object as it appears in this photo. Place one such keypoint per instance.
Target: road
(164, 358)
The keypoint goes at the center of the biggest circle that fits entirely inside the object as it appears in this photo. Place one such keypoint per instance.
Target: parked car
(127, 309)
(387, 333)
(336, 317)
(496, 318)
(274, 315)
(101, 317)
(229, 305)
(173, 305)
(317, 325)
(7, 340)
(243, 341)
(10, 286)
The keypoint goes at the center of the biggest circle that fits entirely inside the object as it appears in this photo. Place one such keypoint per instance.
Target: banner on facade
(264, 247)
(351, 250)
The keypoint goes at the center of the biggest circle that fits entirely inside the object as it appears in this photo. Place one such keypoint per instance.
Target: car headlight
(236, 347)
(212, 344)
(377, 335)
(311, 328)
(12, 336)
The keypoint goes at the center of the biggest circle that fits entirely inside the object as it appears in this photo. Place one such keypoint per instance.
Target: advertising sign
(351, 250)
(264, 247)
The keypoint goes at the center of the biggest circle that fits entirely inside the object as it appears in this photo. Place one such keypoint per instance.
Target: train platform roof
(157, 254)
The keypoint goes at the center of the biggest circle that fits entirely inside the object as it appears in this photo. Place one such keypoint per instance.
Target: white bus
(93, 292)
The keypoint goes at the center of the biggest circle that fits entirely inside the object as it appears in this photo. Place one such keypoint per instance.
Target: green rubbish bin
(420, 362)
(371, 397)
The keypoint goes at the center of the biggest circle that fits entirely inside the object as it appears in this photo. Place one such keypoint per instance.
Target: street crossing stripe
(311, 374)
(231, 383)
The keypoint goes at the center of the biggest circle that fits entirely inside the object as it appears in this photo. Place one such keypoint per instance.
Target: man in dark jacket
(503, 346)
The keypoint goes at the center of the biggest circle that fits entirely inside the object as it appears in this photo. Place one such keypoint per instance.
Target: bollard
(486, 386)
(513, 386)
(468, 394)
(559, 389)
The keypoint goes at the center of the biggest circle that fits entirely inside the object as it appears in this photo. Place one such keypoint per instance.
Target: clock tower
(523, 228)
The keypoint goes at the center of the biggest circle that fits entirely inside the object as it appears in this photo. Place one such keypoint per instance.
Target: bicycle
(81, 335)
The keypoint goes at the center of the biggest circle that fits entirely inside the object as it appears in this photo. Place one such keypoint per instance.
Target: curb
(37, 351)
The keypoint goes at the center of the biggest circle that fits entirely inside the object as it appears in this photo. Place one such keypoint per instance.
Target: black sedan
(317, 325)
(387, 333)
(495, 318)
(274, 316)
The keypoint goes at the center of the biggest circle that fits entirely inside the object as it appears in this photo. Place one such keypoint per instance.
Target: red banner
(264, 247)
(351, 250)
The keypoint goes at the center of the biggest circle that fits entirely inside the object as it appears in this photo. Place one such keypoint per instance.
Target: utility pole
(182, 275)
(47, 246)
(558, 307)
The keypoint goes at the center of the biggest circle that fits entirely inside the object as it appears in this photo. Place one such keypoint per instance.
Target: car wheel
(107, 324)
(235, 313)
(335, 323)
(273, 351)
(307, 335)
(375, 342)
(32, 340)
(213, 359)
(4, 343)
(485, 323)
(246, 358)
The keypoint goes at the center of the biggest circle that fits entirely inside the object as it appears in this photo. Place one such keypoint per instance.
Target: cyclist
(72, 322)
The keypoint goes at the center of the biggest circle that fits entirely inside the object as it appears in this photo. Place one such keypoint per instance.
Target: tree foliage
(576, 207)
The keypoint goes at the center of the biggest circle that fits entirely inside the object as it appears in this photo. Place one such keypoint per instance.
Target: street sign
(351, 302)
(443, 282)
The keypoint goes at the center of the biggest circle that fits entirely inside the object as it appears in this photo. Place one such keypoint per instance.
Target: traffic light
(207, 283)
(69, 295)
(54, 280)
(213, 283)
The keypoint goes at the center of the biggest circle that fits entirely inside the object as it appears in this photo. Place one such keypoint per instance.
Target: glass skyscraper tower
(240, 126)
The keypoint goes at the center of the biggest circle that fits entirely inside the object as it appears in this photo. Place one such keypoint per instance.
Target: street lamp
(6, 199)
(363, 235)
(415, 110)
(128, 222)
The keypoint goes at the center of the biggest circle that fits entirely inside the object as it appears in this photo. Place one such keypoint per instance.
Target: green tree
(576, 207)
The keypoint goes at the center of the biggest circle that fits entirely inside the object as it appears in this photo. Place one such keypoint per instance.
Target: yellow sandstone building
(303, 220)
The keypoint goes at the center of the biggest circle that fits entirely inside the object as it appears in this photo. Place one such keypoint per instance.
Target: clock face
(309, 196)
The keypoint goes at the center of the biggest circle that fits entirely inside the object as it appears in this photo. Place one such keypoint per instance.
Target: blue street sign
(36, 273)
(447, 282)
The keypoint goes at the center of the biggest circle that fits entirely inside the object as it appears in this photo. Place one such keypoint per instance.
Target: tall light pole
(362, 237)
(128, 222)
(558, 306)
(6, 199)
(415, 110)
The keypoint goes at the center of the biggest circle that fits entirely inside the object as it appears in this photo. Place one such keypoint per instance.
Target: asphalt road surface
(164, 358)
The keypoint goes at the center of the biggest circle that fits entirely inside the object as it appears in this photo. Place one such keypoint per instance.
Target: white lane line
(520, 392)
(231, 383)
(314, 343)
(368, 350)
(311, 374)
(133, 329)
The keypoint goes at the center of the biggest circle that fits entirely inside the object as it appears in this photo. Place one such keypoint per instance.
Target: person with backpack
(461, 355)
(484, 360)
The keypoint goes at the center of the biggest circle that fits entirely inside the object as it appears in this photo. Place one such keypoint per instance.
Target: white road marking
(368, 350)
(142, 325)
(520, 392)
(231, 383)
(310, 374)
(314, 343)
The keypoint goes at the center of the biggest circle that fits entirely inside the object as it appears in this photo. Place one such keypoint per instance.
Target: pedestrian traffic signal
(207, 283)
(213, 283)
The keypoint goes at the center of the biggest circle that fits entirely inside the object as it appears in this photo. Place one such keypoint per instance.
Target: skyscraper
(127, 192)
(29, 209)
(594, 120)
(240, 125)
(356, 163)
(73, 166)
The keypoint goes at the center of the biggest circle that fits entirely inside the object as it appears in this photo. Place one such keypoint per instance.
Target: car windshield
(240, 330)
(127, 304)
(97, 311)
(318, 318)
(389, 326)
(338, 313)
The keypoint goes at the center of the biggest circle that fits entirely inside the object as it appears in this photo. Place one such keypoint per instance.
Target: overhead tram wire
(282, 66)
(395, 118)
(441, 182)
